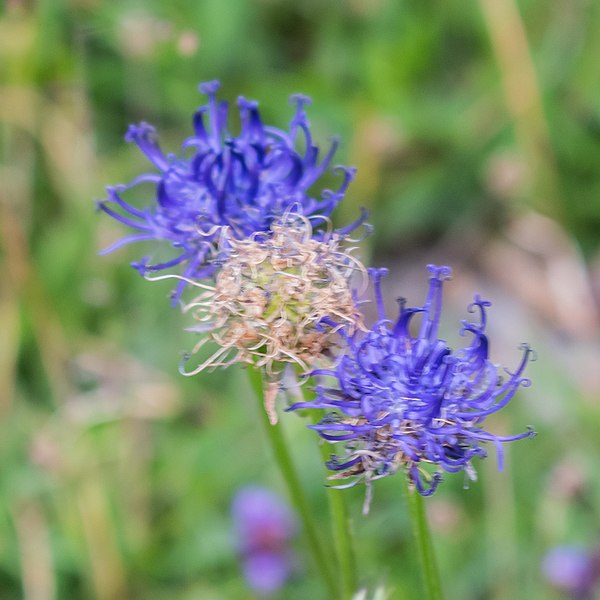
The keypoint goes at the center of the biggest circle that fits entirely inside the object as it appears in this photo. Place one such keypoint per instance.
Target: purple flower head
(406, 400)
(242, 181)
(572, 570)
(264, 527)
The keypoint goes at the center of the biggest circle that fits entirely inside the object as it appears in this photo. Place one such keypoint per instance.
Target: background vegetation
(475, 126)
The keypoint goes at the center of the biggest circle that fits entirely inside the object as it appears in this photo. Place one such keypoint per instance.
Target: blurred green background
(475, 126)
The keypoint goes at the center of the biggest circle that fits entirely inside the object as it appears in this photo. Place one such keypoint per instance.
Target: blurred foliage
(118, 473)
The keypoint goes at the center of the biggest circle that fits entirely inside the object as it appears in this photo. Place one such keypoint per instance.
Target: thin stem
(296, 493)
(342, 535)
(425, 548)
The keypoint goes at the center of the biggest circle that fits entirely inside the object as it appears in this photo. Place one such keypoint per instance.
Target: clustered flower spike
(406, 401)
(278, 298)
(243, 182)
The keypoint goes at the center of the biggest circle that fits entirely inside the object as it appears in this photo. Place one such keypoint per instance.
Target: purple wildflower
(573, 570)
(264, 527)
(407, 401)
(243, 181)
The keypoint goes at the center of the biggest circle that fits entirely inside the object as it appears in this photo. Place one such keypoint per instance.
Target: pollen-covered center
(279, 297)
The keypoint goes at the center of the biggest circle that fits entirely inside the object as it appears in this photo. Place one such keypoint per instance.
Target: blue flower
(243, 182)
(406, 401)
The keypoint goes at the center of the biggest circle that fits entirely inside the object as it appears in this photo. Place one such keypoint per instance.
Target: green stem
(343, 541)
(342, 535)
(290, 476)
(425, 549)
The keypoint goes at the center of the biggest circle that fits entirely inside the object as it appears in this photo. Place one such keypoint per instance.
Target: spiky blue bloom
(243, 181)
(406, 401)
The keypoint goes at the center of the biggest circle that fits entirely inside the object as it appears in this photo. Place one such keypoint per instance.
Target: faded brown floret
(278, 298)
(374, 455)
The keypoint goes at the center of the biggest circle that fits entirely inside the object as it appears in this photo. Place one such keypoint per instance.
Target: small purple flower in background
(573, 570)
(264, 527)
(405, 401)
(243, 182)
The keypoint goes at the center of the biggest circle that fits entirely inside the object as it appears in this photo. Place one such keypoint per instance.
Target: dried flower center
(279, 297)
